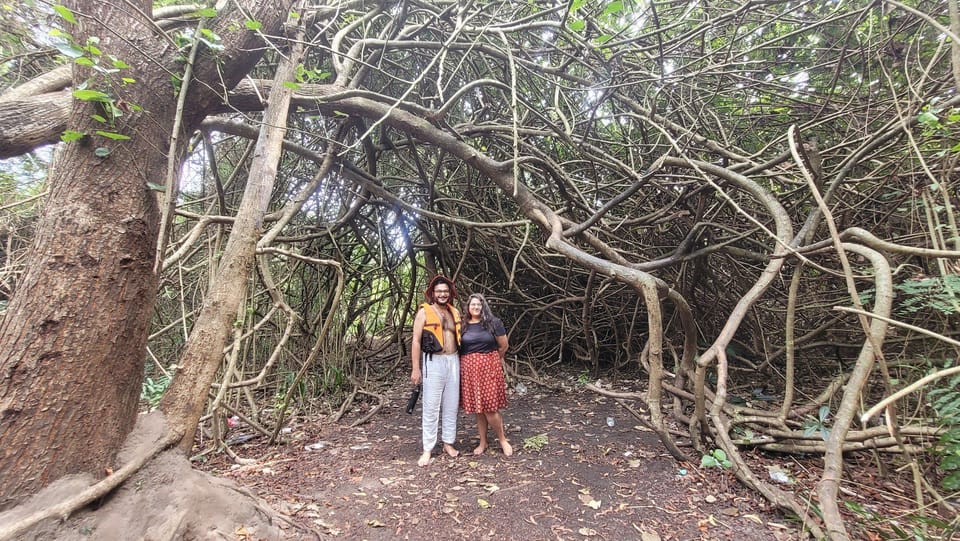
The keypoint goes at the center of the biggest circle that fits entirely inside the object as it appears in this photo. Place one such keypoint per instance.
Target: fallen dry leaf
(589, 501)
(647, 535)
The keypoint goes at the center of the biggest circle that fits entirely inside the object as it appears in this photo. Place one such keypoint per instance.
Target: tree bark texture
(72, 342)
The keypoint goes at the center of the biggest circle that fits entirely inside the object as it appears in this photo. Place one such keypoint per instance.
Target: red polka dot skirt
(483, 388)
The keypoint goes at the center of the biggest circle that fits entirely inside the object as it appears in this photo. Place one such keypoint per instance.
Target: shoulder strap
(429, 306)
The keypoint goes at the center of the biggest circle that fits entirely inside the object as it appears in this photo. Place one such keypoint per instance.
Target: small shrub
(716, 459)
(535, 443)
(818, 424)
(946, 402)
(152, 390)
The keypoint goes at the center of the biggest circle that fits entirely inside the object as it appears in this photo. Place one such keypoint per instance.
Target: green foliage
(206, 13)
(716, 459)
(111, 135)
(152, 390)
(334, 379)
(65, 14)
(918, 528)
(210, 39)
(71, 135)
(946, 403)
(940, 293)
(99, 90)
(305, 75)
(917, 295)
(818, 423)
(535, 443)
(286, 387)
(943, 125)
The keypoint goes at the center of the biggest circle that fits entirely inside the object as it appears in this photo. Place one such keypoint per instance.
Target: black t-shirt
(475, 339)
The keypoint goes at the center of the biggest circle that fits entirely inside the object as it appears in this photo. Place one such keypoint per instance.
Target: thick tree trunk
(72, 342)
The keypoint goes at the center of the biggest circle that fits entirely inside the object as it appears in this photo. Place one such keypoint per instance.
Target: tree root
(64, 509)
(373, 410)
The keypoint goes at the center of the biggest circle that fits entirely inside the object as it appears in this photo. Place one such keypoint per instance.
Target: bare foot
(451, 450)
(507, 448)
(424, 459)
(480, 450)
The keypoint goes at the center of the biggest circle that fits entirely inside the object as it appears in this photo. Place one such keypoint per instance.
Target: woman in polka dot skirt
(483, 389)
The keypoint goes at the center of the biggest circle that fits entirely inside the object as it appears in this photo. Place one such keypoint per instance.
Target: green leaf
(99, 118)
(613, 7)
(206, 13)
(70, 135)
(577, 25)
(952, 481)
(84, 61)
(90, 95)
(823, 413)
(69, 50)
(112, 135)
(120, 64)
(210, 34)
(291, 85)
(65, 14)
(927, 118)
(252, 25)
(101, 152)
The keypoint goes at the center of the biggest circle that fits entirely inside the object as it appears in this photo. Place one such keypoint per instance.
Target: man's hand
(415, 377)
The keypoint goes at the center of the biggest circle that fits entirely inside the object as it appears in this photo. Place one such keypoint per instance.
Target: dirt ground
(583, 469)
(572, 477)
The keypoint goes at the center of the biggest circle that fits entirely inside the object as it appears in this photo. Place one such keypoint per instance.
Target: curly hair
(440, 279)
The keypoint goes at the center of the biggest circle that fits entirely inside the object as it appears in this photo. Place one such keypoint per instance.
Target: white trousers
(441, 398)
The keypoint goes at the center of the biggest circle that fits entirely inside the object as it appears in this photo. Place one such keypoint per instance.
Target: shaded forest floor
(572, 477)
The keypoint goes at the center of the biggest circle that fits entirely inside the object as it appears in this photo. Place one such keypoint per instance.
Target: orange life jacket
(435, 326)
